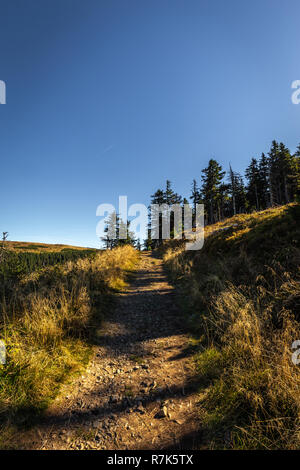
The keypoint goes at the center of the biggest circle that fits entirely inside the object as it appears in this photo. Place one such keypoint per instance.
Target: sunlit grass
(241, 295)
(48, 322)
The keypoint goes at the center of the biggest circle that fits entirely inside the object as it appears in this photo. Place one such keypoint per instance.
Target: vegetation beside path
(241, 295)
(49, 318)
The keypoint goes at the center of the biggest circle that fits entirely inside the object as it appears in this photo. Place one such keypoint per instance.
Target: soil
(138, 391)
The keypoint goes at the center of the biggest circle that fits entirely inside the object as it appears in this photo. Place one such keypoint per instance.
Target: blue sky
(109, 98)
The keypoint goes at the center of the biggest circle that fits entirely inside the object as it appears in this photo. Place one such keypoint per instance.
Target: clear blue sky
(113, 97)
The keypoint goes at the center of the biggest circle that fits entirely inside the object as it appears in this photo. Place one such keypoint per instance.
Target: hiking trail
(138, 390)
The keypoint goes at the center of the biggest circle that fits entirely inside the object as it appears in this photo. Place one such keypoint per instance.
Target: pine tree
(196, 199)
(232, 179)
(264, 185)
(237, 191)
(211, 180)
(288, 169)
(111, 231)
(297, 172)
(240, 198)
(282, 174)
(148, 242)
(224, 201)
(130, 236)
(169, 198)
(274, 174)
(157, 198)
(252, 175)
(185, 203)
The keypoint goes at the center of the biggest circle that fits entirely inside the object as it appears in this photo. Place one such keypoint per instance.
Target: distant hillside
(30, 246)
(241, 297)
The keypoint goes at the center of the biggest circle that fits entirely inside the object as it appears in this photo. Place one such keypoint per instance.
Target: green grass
(19, 263)
(50, 318)
(241, 298)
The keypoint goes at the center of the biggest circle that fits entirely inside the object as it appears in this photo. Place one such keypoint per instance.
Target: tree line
(270, 180)
(114, 227)
(14, 264)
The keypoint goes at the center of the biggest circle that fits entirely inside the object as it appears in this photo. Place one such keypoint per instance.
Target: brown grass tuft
(48, 319)
(241, 295)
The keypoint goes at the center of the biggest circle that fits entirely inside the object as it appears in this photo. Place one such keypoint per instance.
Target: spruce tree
(237, 191)
(274, 174)
(252, 176)
(288, 171)
(212, 177)
(297, 172)
(111, 231)
(196, 199)
(130, 236)
(264, 184)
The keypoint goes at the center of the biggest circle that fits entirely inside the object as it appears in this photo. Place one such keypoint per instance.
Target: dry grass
(48, 319)
(40, 247)
(243, 292)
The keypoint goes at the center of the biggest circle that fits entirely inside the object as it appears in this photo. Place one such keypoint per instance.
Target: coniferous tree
(160, 197)
(252, 175)
(171, 198)
(185, 202)
(148, 242)
(289, 173)
(282, 174)
(232, 186)
(111, 231)
(115, 226)
(297, 171)
(271, 180)
(274, 174)
(212, 177)
(237, 192)
(241, 197)
(157, 198)
(130, 236)
(196, 199)
(264, 184)
(224, 201)
(284, 177)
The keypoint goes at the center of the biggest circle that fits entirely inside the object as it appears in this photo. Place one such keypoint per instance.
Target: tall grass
(242, 301)
(47, 322)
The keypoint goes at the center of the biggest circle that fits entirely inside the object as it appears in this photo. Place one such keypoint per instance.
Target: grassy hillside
(241, 295)
(41, 247)
(49, 322)
(21, 258)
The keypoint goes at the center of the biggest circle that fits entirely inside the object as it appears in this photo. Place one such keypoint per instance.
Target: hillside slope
(48, 321)
(241, 295)
(40, 247)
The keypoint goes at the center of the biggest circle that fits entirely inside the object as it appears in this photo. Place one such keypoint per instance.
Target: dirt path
(137, 392)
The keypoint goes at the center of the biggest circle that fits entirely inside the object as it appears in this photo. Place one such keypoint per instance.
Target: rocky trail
(138, 390)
